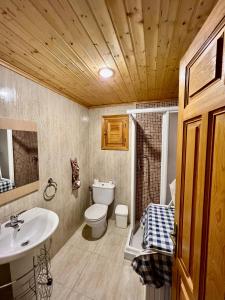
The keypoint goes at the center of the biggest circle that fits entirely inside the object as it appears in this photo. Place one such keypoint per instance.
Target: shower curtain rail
(153, 110)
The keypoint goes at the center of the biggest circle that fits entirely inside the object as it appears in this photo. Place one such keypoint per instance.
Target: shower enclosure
(154, 138)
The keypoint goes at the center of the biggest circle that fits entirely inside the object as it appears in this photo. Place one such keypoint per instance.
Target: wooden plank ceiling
(64, 43)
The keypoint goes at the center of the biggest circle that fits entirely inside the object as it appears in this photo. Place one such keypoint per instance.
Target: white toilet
(96, 214)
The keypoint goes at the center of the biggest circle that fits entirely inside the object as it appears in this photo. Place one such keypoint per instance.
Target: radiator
(151, 293)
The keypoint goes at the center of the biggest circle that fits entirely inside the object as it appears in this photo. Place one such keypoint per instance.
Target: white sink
(39, 224)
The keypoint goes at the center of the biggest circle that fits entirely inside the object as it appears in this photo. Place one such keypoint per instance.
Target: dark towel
(75, 174)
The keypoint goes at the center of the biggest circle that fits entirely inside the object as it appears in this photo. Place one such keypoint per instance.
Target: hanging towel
(75, 174)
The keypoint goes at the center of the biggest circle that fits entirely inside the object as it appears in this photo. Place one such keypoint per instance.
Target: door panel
(207, 67)
(188, 209)
(190, 212)
(183, 292)
(215, 289)
(115, 133)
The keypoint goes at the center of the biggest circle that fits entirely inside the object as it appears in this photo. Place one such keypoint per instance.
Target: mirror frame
(24, 190)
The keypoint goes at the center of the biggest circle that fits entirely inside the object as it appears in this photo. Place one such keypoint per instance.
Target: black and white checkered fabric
(154, 269)
(158, 223)
(5, 185)
(154, 265)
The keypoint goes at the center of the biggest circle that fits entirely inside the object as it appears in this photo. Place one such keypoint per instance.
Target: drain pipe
(90, 196)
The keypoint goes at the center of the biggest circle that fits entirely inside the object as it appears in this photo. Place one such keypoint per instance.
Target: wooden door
(199, 267)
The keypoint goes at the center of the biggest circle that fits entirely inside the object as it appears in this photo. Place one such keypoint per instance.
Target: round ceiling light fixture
(106, 72)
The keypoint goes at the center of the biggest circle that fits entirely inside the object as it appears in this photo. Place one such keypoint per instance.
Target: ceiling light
(106, 72)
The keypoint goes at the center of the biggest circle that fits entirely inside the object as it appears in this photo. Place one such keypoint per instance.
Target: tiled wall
(63, 132)
(110, 164)
(148, 145)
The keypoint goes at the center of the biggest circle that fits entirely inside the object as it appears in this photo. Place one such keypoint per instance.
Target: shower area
(154, 141)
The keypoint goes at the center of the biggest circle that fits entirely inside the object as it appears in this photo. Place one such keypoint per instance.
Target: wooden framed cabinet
(115, 132)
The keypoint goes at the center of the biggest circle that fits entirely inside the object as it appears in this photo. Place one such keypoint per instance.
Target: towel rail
(50, 184)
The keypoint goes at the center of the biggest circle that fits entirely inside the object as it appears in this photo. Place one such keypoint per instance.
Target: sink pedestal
(17, 269)
(5, 277)
(23, 273)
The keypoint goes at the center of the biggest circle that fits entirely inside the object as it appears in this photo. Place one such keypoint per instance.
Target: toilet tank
(103, 192)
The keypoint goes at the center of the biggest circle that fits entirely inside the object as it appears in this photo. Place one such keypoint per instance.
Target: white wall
(172, 151)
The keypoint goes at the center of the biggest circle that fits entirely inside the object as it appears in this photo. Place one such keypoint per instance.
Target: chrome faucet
(14, 222)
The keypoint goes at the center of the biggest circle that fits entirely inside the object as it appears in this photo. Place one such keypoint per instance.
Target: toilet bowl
(95, 217)
(96, 214)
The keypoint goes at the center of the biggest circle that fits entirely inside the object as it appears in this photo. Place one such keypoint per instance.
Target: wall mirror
(19, 169)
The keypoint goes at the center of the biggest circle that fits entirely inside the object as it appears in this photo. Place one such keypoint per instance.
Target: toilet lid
(96, 212)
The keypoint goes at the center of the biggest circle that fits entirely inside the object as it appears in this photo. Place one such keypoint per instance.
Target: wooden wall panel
(63, 44)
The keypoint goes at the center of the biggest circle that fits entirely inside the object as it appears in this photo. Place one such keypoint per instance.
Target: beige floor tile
(60, 292)
(96, 269)
(67, 268)
(129, 286)
(111, 246)
(109, 280)
(121, 231)
(96, 277)
(77, 296)
(82, 239)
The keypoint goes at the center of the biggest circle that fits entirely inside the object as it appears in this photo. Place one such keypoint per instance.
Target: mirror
(19, 170)
(18, 158)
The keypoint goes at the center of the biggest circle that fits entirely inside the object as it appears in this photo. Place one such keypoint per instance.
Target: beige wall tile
(110, 164)
(62, 134)
(65, 130)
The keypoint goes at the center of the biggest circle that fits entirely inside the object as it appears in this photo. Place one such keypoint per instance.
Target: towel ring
(53, 184)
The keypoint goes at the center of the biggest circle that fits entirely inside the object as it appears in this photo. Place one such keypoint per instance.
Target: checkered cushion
(158, 222)
(154, 269)
(5, 185)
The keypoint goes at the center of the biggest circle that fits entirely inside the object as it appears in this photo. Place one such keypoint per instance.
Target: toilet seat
(96, 212)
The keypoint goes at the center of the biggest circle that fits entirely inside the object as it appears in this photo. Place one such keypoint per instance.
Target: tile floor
(95, 270)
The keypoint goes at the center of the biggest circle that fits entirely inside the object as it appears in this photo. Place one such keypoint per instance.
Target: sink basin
(39, 224)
